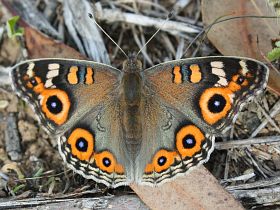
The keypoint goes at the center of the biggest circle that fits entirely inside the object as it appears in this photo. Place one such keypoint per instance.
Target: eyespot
(36, 84)
(161, 161)
(107, 162)
(55, 105)
(214, 104)
(240, 80)
(81, 142)
(33, 82)
(189, 140)
(237, 82)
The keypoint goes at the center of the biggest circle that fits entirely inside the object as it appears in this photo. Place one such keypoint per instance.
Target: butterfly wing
(187, 102)
(171, 143)
(63, 90)
(78, 101)
(213, 88)
(94, 147)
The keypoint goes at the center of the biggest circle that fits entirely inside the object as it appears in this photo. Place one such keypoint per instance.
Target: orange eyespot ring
(162, 160)
(81, 142)
(188, 140)
(107, 162)
(55, 105)
(215, 103)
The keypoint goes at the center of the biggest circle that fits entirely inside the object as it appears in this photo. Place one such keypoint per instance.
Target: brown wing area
(61, 91)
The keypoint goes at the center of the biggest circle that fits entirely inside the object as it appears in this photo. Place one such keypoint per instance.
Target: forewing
(208, 90)
(61, 91)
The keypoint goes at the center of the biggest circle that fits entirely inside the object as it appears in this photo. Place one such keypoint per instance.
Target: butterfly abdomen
(130, 100)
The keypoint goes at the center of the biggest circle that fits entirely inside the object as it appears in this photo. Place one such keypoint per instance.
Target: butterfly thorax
(130, 101)
(132, 64)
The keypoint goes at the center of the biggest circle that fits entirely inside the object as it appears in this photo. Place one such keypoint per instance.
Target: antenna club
(90, 15)
(171, 14)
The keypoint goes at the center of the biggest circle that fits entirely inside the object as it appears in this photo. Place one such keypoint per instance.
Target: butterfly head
(132, 64)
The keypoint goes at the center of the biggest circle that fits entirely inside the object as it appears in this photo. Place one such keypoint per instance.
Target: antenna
(167, 19)
(91, 17)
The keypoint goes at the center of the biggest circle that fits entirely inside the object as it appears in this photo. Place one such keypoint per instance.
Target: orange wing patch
(72, 76)
(89, 76)
(196, 75)
(177, 79)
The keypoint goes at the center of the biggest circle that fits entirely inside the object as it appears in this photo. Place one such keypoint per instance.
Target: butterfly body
(130, 101)
(144, 126)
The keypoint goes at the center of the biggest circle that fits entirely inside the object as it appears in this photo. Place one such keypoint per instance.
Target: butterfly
(137, 126)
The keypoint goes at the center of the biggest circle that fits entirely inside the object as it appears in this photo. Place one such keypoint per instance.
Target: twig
(244, 177)
(227, 164)
(275, 110)
(247, 142)
(83, 30)
(262, 197)
(172, 27)
(105, 202)
(180, 5)
(255, 163)
(258, 184)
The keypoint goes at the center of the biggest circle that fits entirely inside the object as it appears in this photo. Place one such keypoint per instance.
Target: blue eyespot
(216, 103)
(54, 104)
(82, 144)
(189, 141)
(162, 160)
(106, 162)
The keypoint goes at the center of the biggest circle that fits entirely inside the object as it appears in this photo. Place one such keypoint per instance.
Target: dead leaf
(40, 46)
(197, 190)
(239, 37)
